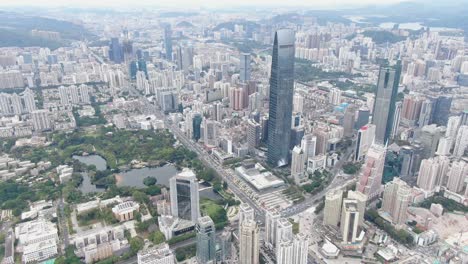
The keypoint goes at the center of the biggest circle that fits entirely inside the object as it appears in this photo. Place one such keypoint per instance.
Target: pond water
(96, 160)
(135, 177)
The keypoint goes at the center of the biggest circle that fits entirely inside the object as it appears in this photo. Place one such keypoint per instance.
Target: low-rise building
(125, 211)
(257, 176)
(156, 255)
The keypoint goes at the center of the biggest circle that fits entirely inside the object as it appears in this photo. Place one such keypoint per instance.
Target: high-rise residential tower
(281, 97)
(396, 198)
(271, 224)
(370, 175)
(332, 209)
(249, 245)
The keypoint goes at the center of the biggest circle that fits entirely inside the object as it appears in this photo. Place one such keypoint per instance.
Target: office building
(253, 134)
(441, 111)
(206, 240)
(271, 224)
(349, 221)
(365, 138)
(361, 200)
(244, 67)
(115, 51)
(226, 245)
(284, 241)
(348, 121)
(407, 164)
(332, 209)
(210, 133)
(196, 126)
(308, 145)
(385, 102)
(245, 213)
(396, 120)
(396, 198)
(249, 242)
(298, 166)
(429, 138)
(370, 175)
(300, 249)
(184, 196)
(281, 97)
(168, 42)
(362, 118)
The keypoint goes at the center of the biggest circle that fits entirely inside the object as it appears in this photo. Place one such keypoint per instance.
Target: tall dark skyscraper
(281, 97)
(115, 51)
(244, 67)
(196, 126)
(168, 41)
(441, 110)
(385, 100)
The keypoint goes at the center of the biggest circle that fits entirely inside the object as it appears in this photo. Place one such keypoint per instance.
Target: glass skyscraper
(206, 240)
(244, 67)
(185, 196)
(385, 102)
(115, 51)
(281, 97)
(168, 42)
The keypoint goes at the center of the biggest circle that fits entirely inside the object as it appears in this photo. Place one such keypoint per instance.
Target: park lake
(135, 177)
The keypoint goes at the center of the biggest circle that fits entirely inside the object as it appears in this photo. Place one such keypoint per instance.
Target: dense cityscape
(251, 135)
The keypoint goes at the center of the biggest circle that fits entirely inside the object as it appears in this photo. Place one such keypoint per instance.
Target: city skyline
(233, 133)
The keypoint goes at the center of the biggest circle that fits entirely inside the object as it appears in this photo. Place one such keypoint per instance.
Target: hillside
(15, 30)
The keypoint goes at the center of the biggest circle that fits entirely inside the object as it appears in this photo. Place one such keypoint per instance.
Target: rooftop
(258, 177)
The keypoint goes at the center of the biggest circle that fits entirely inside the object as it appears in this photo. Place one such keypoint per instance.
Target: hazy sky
(194, 3)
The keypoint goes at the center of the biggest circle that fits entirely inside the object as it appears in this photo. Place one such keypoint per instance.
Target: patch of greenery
(178, 239)
(216, 212)
(449, 205)
(84, 121)
(149, 181)
(95, 215)
(245, 45)
(157, 237)
(305, 72)
(15, 196)
(186, 252)
(69, 258)
(320, 180)
(400, 235)
(351, 168)
(383, 36)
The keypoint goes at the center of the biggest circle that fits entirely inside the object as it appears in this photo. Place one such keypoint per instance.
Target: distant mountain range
(16, 28)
